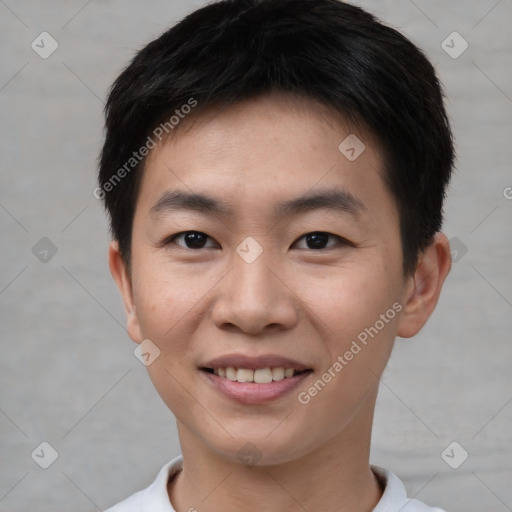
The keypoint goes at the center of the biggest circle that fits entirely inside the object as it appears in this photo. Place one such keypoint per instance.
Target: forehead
(256, 154)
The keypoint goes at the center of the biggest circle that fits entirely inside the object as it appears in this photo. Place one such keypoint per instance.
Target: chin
(254, 448)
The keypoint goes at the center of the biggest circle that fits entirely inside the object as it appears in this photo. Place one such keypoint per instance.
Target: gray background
(68, 375)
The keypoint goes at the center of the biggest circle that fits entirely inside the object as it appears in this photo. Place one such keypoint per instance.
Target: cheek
(357, 312)
(167, 305)
(349, 300)
(164, 298)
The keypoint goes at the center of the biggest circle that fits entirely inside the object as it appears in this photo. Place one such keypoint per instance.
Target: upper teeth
(260, 376)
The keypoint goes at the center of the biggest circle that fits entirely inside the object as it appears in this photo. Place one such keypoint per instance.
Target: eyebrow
(334, 199)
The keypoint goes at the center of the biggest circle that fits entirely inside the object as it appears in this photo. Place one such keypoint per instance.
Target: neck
(334, 476)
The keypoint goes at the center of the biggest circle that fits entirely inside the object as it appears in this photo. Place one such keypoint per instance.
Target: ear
(422, 290)
(124, 283)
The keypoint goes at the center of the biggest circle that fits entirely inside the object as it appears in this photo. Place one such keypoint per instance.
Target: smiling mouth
(257, 376)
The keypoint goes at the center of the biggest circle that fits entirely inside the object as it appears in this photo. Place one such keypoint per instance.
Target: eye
(319, 240)
(315, 240)
(191, 240)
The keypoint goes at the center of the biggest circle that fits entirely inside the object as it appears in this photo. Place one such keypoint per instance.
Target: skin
(296, 301)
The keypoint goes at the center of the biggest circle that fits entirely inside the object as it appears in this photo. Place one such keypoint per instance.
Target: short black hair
(323, 50)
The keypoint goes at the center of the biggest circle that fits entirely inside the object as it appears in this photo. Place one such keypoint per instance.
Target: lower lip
(253, 393)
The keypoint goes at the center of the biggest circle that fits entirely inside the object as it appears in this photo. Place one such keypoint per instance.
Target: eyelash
(341, 241)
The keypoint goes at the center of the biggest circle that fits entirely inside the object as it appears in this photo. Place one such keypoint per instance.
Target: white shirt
(155, 498)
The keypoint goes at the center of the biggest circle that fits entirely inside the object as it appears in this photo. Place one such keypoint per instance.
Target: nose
(255, 298)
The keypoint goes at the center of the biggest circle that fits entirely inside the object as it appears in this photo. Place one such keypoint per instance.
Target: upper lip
(253, 363)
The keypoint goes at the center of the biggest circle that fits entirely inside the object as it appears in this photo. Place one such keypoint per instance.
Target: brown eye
(320, 240)
(190, 239)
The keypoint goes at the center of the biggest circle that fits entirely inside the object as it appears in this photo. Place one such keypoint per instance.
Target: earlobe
(423, 289)
(124, 283)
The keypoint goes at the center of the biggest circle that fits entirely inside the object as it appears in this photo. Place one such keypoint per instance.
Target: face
(289, 264)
